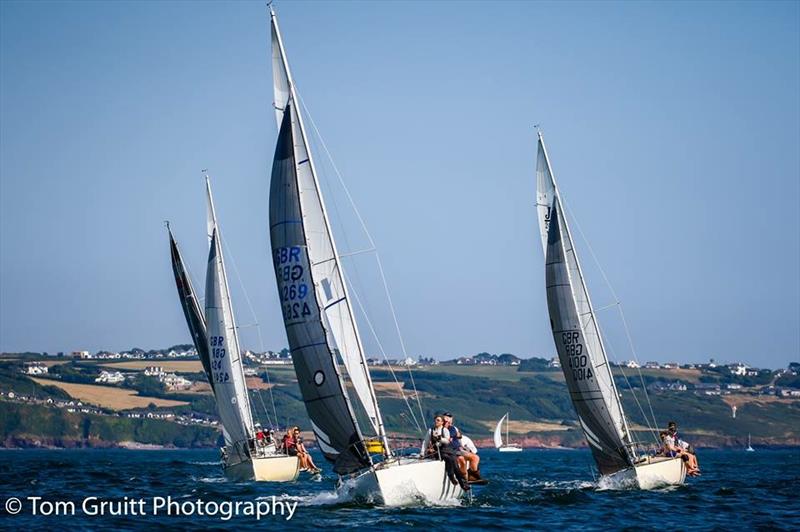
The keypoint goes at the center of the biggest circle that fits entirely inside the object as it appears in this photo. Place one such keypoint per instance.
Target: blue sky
(674, 131)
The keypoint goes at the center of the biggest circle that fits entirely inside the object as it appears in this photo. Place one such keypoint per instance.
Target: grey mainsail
(191, 308)
(326, 268)
(301, 236)
(227, 372)
(577, 334)
(312, 347)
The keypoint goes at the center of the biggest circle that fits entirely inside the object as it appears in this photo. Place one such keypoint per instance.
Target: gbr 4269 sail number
(578, 361)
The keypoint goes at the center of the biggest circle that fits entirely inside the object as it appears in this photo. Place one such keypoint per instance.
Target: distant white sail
(576, 333)
(227, 373)
(498, 433)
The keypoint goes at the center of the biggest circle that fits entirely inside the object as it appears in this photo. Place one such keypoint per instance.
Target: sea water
(535, 489)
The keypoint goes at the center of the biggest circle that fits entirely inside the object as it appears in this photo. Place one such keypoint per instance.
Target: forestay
(227, 373)
(577, 336)
(301, 236)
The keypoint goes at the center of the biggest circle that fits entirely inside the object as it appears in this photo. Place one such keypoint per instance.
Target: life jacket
(455, 440)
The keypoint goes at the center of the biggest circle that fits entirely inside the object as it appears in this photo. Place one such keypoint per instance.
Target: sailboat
(749, 445)
(498, 438)
(324, 341)
(216, 339)
(582, 353)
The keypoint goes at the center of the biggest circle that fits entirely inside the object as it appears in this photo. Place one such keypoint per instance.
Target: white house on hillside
(110, 377)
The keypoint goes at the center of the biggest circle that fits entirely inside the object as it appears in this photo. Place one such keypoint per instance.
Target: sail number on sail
(293, 282)
(218, 372)
(578, 361)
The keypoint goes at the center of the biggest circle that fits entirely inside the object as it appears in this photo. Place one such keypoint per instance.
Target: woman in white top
(436, 437)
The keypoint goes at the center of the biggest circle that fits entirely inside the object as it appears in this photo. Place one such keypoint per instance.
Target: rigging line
(264, 406)
(372, 244)
(650, 428)
(385, 357)
(616, 298)
(253, 312)
(641, 376)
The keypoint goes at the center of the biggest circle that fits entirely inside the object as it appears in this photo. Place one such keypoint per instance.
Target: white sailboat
(216, 339)
(323, 336)
(749, 445)
(581, 351)
(508, 447)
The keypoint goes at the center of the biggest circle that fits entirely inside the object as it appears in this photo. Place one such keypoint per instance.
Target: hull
(510, 449)
(655, 472)
(402, 482)
(278, 468)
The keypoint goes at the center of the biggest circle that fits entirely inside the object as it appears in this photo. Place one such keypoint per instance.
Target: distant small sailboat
(498, 438)
(749, 445)
(581, 351)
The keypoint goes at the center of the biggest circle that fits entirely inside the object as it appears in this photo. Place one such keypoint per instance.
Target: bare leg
(475, 460)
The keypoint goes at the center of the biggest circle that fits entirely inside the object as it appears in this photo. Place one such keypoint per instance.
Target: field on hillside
(177, 366)
(108, 397)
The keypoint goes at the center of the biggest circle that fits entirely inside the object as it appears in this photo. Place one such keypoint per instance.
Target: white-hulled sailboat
(749, 445)
(506, 447)
(321, 327)
(217, 342)
(581, 351)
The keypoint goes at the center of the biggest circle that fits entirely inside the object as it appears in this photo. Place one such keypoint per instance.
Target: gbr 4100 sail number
(578, 361)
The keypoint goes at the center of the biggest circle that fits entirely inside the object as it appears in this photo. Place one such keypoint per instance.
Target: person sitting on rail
(436, 436)
(437, 447)
(467, 461)
(672, 449)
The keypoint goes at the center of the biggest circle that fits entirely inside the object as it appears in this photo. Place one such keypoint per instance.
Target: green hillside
(537, 401)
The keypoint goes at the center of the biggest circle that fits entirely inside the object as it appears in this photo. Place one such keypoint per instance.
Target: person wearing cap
(467, 461)
(260, 437)
(674, 446)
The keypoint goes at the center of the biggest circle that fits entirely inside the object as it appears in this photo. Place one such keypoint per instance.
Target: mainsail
(227, 373)
(576, 333)
(498, 434)
(319, 320)
(191, 308)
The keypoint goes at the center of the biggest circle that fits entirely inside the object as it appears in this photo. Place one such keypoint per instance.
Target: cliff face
(559, 440)
(33, 442)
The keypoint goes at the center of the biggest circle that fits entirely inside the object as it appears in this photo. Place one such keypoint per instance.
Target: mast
(507, 421)
(280, 108)
(605, 361)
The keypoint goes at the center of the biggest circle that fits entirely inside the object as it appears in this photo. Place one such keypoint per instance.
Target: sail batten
(576, 333)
